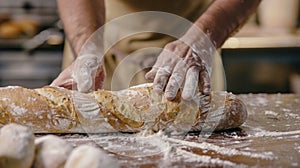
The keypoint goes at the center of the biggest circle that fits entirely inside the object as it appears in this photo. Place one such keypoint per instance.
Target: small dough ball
(88, 156)
(16, 146)
(51, 152)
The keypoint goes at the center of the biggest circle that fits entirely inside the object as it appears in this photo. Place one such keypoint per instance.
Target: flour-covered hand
(183, 64)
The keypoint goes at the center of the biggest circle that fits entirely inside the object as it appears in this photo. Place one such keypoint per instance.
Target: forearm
(223, 17)
(81, 18)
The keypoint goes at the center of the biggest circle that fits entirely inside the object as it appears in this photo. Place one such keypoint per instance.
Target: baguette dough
(16, 146)
(58, 110)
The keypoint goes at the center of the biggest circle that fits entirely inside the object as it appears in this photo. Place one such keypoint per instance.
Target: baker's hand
(86, 73)
(183, 64)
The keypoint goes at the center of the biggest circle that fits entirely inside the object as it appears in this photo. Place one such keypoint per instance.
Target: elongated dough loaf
(58, 110)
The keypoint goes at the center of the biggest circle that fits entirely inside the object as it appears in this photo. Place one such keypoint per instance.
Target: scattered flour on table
(221, 150)
(259, 101)
(295, 116)
(205, 160)
(272, 113)
(262, 133)
(298, 149)
(143, 145)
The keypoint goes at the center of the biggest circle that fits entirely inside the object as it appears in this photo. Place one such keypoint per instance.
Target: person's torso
(153, 30)
(189, 9)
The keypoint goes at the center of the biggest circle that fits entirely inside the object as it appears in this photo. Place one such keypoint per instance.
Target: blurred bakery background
(264, 56)
(31, 42)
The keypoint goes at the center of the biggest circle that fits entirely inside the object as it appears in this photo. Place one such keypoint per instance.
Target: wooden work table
(269, 138)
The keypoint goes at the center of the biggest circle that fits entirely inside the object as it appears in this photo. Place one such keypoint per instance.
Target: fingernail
(206, 91)
(150, 78)
(169, 95)
(149, 75)
(186, 97)
(157, 89)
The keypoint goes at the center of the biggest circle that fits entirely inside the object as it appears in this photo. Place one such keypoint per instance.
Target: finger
(68, 84)
(55, 83)
(205, 87)
(176, 80)
(161, 78)
(151, 74)
(191, 83)
(178, 76)
(64, 79)
(164, 67)
(159, 62)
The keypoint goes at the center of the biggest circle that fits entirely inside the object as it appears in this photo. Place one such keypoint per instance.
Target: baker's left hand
(183, 64)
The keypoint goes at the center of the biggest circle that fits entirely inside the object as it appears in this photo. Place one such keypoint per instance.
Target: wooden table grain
(269, 138)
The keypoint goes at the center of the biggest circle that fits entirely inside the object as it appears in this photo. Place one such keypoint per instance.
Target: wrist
(79, 39)
(215, 28)
(197, 39)
(201, 44)
(194, 34)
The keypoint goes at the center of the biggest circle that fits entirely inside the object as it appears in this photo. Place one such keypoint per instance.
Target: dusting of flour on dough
(143, 85)
(18, 109)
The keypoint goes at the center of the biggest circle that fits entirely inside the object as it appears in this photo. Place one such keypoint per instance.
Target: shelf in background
(256, 61)
(254, 37)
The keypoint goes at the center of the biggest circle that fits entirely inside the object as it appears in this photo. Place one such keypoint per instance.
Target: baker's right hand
(85, 74)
